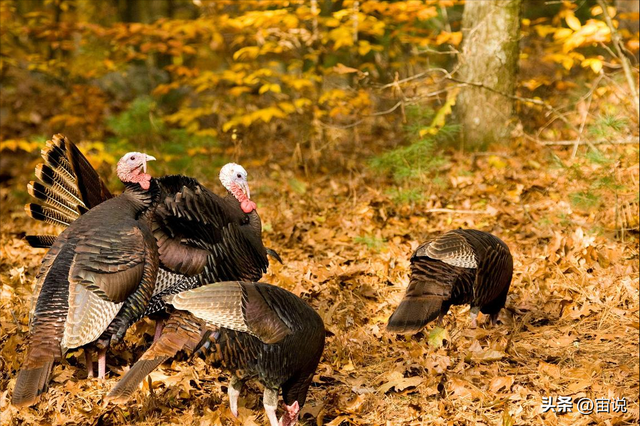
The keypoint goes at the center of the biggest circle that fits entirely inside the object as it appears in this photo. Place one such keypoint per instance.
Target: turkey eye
(133, 157)
(239, 176)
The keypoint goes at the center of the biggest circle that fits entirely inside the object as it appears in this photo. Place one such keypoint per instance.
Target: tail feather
(414, 313)
(51, 198)
(130, 382)
(58, 183)
(40, 241)
(93, 190)
(47, 214)
(69, 187)
(30, 384)
(55, 155)
(181, 331)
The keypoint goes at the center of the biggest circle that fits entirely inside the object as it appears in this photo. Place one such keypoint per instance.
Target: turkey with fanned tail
(101, 269)
(201, 236)
(255, 330)
(459, 267)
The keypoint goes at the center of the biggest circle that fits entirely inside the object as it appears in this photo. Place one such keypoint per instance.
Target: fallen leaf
(395, 379)
(498, 383)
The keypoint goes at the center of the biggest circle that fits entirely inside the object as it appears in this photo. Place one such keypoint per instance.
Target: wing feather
(198, 231)
(237, 306)
(110, 265)
(105, 270)
(450, 248)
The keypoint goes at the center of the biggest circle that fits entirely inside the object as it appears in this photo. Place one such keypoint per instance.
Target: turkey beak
(144, 161)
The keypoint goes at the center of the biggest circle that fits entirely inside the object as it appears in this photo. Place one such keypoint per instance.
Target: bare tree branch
(617, 43)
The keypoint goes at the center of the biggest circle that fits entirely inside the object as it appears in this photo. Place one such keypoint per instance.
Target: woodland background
(344, 114)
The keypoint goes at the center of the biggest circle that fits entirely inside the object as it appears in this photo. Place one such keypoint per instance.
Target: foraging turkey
(201, 237)
(259, 330)
(101, 269)
(459, 267)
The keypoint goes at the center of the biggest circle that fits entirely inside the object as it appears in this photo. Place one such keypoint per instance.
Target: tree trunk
(129, 11)
(489, 62)
(628, 7)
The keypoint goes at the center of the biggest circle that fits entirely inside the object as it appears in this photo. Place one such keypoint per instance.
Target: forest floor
(570, 327)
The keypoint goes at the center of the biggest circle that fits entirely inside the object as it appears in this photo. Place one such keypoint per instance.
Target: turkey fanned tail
(68, 187)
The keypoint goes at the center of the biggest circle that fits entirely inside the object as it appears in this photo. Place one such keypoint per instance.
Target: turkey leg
(102, 363)
(235, 385)
(270, 401)
(88, 360)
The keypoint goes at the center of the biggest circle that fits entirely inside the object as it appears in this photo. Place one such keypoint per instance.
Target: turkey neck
(254, 222)
(142, 199)
(252, 218)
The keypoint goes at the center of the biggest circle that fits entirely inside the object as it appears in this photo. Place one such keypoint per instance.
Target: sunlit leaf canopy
(217, 70)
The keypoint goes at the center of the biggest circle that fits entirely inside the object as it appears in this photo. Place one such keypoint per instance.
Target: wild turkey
(458, 267)
(265, 332)
(103, 264)
(201, 237)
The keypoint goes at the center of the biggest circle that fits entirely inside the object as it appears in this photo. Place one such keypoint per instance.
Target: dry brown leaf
(498, 383)
(462, 389)
(395, 379)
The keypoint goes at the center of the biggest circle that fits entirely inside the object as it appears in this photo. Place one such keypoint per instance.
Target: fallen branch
(628, 141)
(539, 102)
(458, 211)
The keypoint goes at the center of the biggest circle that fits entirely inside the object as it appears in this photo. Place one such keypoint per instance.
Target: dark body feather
(99, 271)
(463, 266)
(275, 337)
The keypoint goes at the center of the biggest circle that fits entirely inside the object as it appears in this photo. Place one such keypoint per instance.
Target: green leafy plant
(370, 241)
(608, 126)
(585, 199)
(406, 195)
(421, 156)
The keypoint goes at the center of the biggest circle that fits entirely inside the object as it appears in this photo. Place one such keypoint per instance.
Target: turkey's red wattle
(246, 204)
(143, 179)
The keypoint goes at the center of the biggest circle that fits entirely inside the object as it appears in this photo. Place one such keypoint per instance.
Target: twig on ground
(458, 211)
(628, 141)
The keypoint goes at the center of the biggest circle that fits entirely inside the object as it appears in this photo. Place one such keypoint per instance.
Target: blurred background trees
(318, 82)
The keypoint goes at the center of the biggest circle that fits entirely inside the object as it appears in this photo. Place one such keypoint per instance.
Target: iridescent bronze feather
(459, 267)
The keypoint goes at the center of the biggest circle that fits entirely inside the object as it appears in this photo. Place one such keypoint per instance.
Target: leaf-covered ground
(570, 327)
